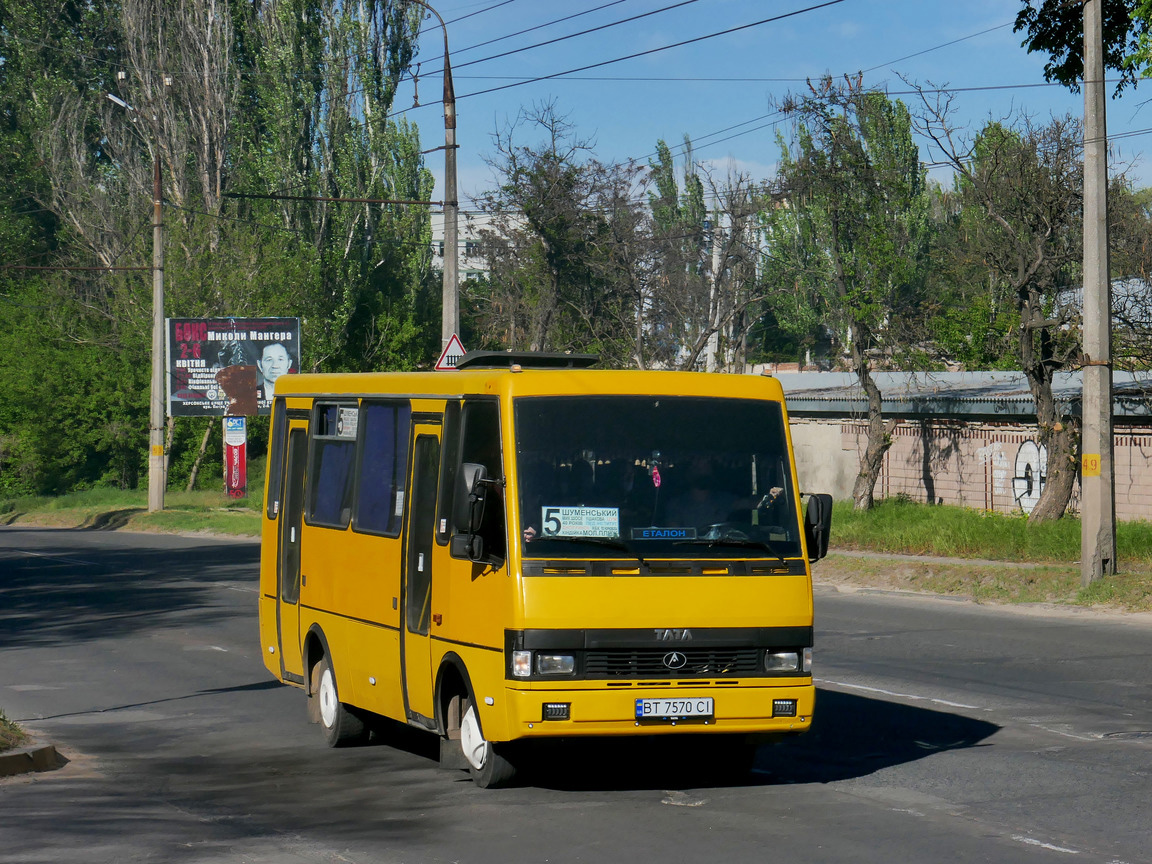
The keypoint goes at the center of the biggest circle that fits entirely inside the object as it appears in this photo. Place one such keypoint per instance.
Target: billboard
(228, 366)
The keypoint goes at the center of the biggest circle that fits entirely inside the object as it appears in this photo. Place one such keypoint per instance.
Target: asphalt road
(944, 732)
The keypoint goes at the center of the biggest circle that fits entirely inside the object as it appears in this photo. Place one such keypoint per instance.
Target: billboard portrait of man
(228, 366)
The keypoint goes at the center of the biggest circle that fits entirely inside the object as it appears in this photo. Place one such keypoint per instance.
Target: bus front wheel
(487, 762)
(341, 726)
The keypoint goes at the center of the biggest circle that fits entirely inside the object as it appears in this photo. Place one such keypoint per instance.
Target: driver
(701, 500)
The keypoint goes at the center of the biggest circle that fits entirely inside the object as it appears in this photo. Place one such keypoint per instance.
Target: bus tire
(488, 763)
(340, 724)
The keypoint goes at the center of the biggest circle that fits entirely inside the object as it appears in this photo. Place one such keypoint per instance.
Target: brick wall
(990, 466)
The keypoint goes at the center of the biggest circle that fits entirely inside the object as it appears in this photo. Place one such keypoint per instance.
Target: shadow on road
(271, 774)
(78, 589)
(851, 736)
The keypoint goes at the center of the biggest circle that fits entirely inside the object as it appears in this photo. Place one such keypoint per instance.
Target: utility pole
(1097, 468)
(157, 464)
(713, 345)
(450, 293)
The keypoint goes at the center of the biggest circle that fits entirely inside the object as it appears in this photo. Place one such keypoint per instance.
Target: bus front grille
(672, 664)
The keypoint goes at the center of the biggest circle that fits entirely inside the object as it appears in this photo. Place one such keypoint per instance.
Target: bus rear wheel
(340, 724)
(488, 763)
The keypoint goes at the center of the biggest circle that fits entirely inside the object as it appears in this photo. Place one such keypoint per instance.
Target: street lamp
(156, 473)
(450, 315)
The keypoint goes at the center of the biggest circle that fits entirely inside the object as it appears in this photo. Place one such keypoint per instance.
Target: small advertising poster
(236, 456)
(228, 366)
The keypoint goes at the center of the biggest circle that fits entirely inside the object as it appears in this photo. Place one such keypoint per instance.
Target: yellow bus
(527, 548)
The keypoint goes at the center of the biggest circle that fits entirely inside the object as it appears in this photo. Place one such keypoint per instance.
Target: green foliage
(848, 241)
(1056, 28)
(562, 249)
(294, 99)
(11, 734)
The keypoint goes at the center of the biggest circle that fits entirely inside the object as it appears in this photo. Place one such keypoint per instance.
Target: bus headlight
(522, 664)
(781, 661)
(555, 664)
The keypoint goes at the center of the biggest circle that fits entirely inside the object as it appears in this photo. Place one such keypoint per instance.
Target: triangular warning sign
(451, 355)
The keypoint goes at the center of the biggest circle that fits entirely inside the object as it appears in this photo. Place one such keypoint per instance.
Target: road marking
(680, 799)
(1071, 735)
(899, 695)
(1019, 838)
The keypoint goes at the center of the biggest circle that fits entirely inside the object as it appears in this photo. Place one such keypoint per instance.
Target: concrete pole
(713, 345)
(157, 475)
(450, 318)
(1097, 471)
(450, 292)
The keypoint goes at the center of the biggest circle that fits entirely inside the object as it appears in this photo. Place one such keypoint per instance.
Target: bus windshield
(654, 477)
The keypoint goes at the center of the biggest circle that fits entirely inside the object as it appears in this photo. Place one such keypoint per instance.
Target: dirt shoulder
(986, 581)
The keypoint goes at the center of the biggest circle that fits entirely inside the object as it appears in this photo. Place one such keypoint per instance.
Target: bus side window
(450, 448)
(480, 443)
(330, 468)
(382, 468)
(276, 457)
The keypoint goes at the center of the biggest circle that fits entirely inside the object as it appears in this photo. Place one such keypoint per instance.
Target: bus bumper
(774, 708)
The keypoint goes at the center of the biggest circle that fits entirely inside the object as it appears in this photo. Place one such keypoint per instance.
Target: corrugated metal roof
(971, 395)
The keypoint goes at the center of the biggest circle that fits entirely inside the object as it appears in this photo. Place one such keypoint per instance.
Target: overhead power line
(579, 33)
(661, 48)
(534, 28)
(479, 11)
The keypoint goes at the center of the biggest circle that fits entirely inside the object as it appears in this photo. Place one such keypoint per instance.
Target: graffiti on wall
(1031, 474)
(1028, 472)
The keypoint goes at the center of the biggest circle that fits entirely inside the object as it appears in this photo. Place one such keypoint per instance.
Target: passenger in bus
(696, 497)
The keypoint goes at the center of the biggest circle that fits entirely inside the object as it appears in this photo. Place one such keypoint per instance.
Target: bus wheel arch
(453, 687)
(315, 647)
(459, 720)
(340, 723)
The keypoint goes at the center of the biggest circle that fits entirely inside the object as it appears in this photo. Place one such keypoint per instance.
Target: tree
(563, 247)
(847, 240)
(1056, 28)
(1022, 186)
(1130, 241)
(236, 101)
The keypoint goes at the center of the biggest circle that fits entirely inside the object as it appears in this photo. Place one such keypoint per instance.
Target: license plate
(673, 709)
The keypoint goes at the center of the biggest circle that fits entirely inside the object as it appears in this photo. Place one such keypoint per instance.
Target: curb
(25, 759)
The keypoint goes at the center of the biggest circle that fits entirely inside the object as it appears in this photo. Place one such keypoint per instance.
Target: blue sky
(625, 107)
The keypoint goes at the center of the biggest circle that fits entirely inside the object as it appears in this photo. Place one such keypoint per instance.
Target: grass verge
(1008, 560)
(11, 735)
(110, 509)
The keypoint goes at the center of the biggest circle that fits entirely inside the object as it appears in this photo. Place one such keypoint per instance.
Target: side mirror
(470, 492)
(470, 546)
(818, 525)
(468, 513)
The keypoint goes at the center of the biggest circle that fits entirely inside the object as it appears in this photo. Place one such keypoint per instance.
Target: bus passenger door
(419, 543)
(288, 558)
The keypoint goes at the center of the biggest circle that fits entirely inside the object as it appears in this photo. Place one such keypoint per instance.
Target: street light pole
(450, 315)
(157, 473)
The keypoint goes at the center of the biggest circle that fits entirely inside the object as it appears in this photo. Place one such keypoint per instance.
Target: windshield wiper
(609, 542)
(742, 542)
